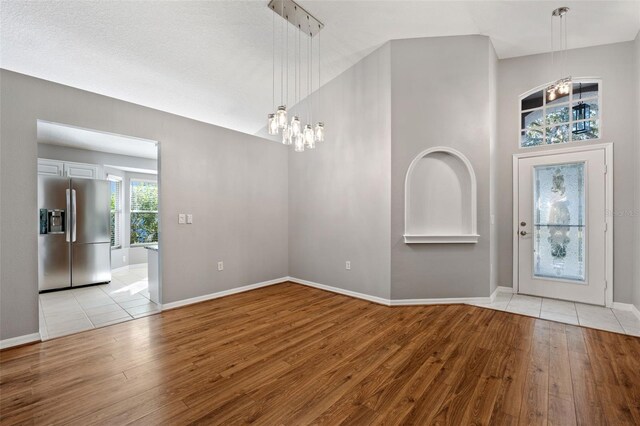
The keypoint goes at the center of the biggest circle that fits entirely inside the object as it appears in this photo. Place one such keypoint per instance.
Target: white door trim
(608, 153)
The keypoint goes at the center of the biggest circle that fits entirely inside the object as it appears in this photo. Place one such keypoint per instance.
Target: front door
(561, 226)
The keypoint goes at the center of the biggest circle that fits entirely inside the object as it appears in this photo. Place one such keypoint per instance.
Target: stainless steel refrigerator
(74, 241)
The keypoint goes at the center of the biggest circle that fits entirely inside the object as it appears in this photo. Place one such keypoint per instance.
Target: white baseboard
(20, 340)
(441, 301)
(374, 299)
(504, 289)
(388, 302)
(626, 307)
(185, 302)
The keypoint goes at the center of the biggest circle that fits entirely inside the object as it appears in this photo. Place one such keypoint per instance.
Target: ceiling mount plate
(561, 11)
(297, 16)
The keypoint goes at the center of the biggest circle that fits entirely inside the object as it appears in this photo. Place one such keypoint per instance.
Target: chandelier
(562, 86)
(305, 28)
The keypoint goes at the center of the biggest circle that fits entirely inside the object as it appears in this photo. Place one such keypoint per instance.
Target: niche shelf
(440, 198)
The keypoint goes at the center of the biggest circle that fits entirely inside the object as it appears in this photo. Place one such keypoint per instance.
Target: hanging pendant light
(309, 138)
(561, 87)
(296, 126)
(287, 136)
(293, 132)
(272, 124)
(298, 143)
(281, 116)
(319, 132)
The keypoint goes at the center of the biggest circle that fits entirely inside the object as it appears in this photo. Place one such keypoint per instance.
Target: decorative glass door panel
(559, 221)
(561, 226)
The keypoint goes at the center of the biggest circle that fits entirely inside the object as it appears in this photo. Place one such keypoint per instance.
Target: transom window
(571, 117)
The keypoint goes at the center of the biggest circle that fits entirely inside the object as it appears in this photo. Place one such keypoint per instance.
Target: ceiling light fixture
(294, 133)
(562, 86)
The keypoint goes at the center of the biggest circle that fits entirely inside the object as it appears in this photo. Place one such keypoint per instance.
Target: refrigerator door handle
(67, 233)
(73, 216)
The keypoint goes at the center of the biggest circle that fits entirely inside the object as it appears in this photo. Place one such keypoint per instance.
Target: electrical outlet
(348, 265)
(220, 266)
(181, 219)
(124, 259)
(189, 218)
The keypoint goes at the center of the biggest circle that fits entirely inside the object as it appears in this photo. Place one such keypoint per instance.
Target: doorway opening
(563, 236)
(98, 228)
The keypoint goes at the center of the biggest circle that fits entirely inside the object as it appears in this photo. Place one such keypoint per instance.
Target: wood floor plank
(290, 354)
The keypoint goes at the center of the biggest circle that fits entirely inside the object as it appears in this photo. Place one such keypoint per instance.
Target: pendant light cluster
(560, 87)
(306, 26)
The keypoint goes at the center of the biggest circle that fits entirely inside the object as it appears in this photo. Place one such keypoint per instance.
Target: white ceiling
(211, 60)
(76, 137)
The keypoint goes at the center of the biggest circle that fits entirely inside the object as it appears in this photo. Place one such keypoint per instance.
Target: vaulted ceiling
(212, 60)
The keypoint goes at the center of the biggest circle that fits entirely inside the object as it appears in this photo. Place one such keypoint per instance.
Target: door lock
(523, 223)
(523, 233)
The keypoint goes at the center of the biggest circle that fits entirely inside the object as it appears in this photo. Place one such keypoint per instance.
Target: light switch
(189, 218)
(181, 218)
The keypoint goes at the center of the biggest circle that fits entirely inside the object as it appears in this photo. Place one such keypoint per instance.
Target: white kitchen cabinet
(81, 170)
(49, 167)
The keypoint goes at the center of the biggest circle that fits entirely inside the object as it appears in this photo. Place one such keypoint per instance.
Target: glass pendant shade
(281, 116)
(319, 132)
(298, 143)
(296, 127)
(309, 138)
(287, 136)
(272, 125)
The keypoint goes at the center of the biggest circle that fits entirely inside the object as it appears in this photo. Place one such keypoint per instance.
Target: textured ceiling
(211, 60)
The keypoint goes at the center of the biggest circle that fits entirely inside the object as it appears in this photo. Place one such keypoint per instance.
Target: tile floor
(70, 311)
(567, 312)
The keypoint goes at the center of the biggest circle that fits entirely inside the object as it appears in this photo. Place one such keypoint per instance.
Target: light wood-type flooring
(293, 355)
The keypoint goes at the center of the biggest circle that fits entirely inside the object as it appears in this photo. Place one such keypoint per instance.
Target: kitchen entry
(98, 229)
(562, 233)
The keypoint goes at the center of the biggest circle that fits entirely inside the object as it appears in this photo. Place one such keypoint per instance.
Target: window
(567, 118)
(144, 212)
(115, 183)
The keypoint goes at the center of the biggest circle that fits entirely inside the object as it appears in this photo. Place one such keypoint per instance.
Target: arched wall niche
(440, 198)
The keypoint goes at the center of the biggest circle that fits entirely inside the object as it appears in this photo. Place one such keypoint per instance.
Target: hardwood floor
(293, 355)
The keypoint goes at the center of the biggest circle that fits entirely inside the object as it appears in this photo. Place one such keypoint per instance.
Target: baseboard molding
(388, 302)
(19, 340)
(337, 290)
(626, 307)
(374, 299)
(441, 301)
(504, 289)
(216, 295)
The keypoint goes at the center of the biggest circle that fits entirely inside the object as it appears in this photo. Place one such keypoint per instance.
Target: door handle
(67, 236)
(523, 233)
(73, 216)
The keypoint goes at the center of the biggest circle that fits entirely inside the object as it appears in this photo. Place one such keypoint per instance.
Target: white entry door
(561, 226)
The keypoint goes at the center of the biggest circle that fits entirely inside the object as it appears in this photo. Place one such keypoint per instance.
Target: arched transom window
(571, 117)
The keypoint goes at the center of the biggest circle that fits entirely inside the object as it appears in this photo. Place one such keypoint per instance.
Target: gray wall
(234, 184)
(440, 95)
(339, 195)
(636, 290)
(615, 65)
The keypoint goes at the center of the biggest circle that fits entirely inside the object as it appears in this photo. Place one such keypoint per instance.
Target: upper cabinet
(65, 168)
(50, 167)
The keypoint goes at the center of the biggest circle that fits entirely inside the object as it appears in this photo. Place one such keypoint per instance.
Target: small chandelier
(306, 27)
(560, 87)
